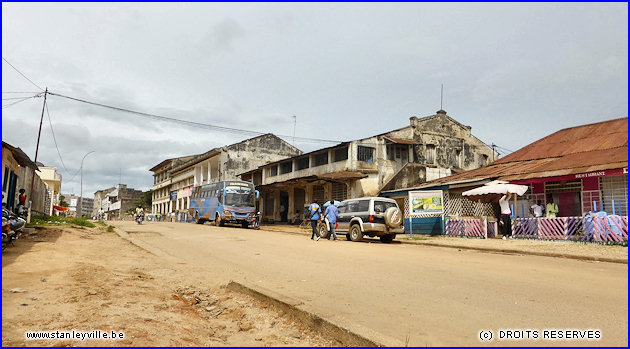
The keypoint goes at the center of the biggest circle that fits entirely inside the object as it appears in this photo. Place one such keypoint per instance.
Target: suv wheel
(323, 232)
(355, 233)
(386, 239)
(393, 217)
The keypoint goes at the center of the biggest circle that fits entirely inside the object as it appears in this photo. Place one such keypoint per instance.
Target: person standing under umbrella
(506, 212)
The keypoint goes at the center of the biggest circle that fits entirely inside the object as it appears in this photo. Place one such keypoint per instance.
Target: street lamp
(80, 208)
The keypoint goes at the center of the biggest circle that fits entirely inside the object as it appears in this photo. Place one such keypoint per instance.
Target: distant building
(116, 201)
(174, 178)
(99, 200)
(430, 147)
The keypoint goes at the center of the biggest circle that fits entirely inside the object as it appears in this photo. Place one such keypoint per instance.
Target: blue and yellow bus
(224, 202)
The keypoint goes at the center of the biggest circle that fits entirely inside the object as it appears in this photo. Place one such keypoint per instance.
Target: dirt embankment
(64, 279)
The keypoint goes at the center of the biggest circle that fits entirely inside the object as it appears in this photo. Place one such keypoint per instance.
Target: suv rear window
(382, 206)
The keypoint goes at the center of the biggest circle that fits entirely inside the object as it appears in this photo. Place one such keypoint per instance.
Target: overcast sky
(513, 72)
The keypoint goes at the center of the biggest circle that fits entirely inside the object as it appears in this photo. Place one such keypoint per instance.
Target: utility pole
(41, 120)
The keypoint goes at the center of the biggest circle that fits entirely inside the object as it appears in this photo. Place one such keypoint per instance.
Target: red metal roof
(580, 149)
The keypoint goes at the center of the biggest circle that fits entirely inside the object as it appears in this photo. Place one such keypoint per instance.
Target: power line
(24, 76)
(6, 99)
(21, 100)
(191, 123)
(54, 138)
(31, 92)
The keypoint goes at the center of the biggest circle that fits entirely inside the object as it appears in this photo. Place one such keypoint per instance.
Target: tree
(62, 201)
(148, 198)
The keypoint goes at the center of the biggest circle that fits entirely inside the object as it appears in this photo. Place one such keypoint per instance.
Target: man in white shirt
(506, 221)
(537, 209)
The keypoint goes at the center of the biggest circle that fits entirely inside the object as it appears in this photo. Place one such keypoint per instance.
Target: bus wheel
(244, 225)
(197, 220)
(217, 221)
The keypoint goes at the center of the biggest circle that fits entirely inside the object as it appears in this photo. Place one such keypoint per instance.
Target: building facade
(17, 172)
(175, 178)
(582, 168)
(52, 178)
(116, 201)
(431, 147)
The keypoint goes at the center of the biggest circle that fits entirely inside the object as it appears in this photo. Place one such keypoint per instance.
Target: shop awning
(60, 208)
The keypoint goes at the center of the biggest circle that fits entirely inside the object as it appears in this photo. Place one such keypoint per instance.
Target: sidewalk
(562, 249)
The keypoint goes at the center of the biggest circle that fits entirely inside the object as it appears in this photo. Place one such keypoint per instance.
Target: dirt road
(411, 294)
(403, 294)
(91, 279)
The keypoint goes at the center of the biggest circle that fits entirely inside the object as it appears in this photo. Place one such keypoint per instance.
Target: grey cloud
(222, 36)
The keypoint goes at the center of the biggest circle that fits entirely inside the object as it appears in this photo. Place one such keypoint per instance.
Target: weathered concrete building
(175, 178)
(431, 147)
(116, 201)
(160, 200)
(52, 178)
(19, 171)
(99, 200)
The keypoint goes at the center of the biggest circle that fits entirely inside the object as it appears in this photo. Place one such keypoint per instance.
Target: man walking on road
(314, 212)
(331, 214)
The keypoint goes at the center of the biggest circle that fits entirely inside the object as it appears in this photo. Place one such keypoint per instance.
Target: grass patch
(110, 229)
(43, 220)
(101, 223)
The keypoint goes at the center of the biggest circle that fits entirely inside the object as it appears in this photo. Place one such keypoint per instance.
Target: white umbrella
(493, 190)
(336, 203)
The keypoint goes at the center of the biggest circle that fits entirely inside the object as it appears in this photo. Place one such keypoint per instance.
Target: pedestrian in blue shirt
(314, 212)
(331, 214)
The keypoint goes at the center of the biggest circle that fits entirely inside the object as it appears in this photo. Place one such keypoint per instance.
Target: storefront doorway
(569, 205)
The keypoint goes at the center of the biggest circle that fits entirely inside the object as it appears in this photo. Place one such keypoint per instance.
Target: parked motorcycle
(12, 227)
(139, 218)
(21, 211)
(256, 221)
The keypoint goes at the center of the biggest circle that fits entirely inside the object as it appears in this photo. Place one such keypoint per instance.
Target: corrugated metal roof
(581, 149)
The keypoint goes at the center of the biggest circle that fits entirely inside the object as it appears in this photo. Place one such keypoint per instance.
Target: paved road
(420, 294)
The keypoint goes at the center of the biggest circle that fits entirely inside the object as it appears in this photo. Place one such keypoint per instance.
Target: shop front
(578, 194)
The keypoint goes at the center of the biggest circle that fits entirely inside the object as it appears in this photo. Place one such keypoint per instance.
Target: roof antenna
(441, 111)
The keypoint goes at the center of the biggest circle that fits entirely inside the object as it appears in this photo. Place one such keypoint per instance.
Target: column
(197, 176)
(291, 204)
(209, 171)
(276, 205)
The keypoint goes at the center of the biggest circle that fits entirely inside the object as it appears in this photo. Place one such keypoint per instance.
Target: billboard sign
(429, 201)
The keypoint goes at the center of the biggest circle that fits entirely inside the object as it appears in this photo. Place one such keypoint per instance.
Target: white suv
(371, 216)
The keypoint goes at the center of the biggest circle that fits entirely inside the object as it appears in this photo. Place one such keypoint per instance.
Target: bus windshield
(239, 197)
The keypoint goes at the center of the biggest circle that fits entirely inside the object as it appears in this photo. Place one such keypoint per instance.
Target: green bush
(110, 229)
(43, 220)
